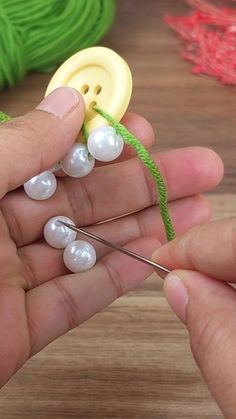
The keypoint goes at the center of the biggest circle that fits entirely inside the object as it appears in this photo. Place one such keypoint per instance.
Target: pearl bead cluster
(103, 144)
(78, 255)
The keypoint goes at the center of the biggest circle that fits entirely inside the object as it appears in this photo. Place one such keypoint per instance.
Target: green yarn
(143, 155)
(150, 165)
(4, 117)
(85, 132)
(40, 34)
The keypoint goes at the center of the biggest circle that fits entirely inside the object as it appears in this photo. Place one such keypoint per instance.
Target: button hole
(97, 89)
(84, 89)
(92, 105)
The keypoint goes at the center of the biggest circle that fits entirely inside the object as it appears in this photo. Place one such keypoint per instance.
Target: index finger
(209, 248)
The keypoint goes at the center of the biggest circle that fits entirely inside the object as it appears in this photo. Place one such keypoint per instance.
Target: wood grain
(133, 359)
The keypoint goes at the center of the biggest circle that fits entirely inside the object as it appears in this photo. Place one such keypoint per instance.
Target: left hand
(39, 299)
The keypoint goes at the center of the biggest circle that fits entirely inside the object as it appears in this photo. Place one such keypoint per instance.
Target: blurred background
(133, 359)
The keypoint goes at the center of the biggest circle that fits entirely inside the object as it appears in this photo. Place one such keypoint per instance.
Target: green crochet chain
(146, 159)
(150, 165)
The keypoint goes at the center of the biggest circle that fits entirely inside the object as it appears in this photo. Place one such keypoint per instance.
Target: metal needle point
(117, 247)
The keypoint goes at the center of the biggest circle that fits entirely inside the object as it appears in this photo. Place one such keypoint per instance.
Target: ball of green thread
(40, 34)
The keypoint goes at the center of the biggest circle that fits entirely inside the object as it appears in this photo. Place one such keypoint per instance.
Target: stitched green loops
(151, 166)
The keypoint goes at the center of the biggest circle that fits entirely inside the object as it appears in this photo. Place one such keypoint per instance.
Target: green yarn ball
(40, 34)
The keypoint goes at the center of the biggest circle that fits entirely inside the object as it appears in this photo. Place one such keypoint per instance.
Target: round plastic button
(102, 77)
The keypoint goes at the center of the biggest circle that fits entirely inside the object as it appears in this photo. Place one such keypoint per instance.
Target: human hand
(39, 299)
(200, 293)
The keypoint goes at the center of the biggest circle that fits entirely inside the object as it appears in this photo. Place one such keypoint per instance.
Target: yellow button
(102, 77)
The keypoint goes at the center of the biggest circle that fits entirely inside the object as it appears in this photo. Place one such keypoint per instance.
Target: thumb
(34, 142)
(208, 308)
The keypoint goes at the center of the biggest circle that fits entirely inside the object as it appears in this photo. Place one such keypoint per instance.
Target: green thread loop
(4, 117)
(151, 166)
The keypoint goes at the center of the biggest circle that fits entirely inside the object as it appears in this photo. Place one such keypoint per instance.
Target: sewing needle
(117, 247)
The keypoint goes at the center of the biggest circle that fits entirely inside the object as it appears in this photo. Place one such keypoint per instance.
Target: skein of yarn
(40, 34)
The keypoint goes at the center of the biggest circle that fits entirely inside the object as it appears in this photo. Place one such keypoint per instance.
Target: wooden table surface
(133, 359)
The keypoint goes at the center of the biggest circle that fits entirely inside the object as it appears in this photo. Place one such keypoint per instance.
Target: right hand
(200, 293)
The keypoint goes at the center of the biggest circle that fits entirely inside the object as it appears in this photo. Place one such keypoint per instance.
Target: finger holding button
(102, 77)
(104, 80)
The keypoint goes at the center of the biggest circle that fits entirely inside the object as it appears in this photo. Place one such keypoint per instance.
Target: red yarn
(209, 36)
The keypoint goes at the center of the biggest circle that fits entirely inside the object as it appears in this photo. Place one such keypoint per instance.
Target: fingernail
(177, 295)
(60, 102)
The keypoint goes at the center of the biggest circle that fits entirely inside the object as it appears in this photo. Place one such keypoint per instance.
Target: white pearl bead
(105, 144)
(56, 234)
(77, 162)
(42, 186)
(79, 256)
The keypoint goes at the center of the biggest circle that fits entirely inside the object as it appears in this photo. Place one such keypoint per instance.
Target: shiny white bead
(56, 234)
(105, 144)
(77, 162)
(42, 186)
(79, 256)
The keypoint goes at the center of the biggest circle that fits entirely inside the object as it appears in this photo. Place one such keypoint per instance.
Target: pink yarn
(209, 37)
